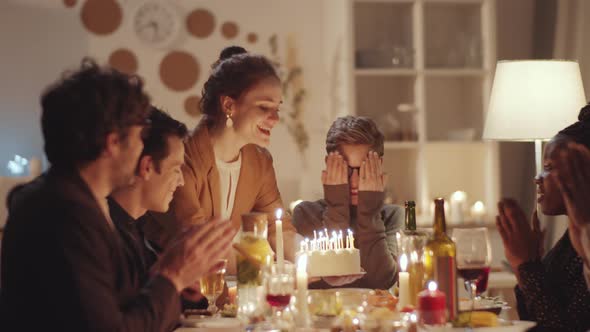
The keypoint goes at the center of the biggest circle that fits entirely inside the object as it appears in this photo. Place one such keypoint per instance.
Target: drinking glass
(279, 283)
(212, 285)
(474, 255)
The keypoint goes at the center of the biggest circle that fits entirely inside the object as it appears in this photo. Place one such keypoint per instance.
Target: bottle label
(446, 276)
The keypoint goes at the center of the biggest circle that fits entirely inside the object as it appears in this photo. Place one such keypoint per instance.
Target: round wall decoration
(229, 30)
(200, 23)
(252, 37)
(179, 71)
(101, 17)
(70, 3)
(124, 60)
(192, 105)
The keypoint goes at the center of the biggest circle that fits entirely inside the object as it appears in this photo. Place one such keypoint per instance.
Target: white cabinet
(422, 70)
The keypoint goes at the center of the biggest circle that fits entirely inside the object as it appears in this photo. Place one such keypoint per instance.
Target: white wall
(39, 41)
(36, 45)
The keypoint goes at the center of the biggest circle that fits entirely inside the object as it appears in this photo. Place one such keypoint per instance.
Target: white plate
(515, 326)
(359, 275)
(213, 323)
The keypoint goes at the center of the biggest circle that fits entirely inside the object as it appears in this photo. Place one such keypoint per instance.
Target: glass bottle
(410, 218)
(412, 243)
(440, 259)
(253, 253)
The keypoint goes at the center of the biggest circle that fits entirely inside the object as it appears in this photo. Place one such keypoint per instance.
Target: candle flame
(432, 286)
(279, 214)
(302, 263)
(403, 262)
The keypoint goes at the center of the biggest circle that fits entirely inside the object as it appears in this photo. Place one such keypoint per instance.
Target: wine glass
(212, 285)
(474, 255)
(279, 284)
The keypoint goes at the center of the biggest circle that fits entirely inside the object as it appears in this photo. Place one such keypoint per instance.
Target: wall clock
(156, 23)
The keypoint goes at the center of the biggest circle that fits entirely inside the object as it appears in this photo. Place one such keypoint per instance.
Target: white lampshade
(533, 99)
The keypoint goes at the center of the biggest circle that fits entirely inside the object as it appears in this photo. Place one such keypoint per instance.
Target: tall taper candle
(279, 240)
(303, 318)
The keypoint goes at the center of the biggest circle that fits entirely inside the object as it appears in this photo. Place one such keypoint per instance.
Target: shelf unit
(439, 56)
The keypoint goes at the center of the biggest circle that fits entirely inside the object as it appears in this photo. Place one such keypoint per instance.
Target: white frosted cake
(331, 256)
(339, 262)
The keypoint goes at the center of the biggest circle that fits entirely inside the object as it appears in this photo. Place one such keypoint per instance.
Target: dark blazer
(64, 266)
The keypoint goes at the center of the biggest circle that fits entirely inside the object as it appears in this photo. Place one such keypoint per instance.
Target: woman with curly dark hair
(551, 290)
(228, 171)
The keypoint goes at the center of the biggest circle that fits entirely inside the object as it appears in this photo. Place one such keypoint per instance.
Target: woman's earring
(229, 122)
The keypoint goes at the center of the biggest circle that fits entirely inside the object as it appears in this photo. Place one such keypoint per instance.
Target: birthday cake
(331, 256)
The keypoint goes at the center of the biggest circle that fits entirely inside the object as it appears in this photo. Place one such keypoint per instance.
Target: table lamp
(531, 100)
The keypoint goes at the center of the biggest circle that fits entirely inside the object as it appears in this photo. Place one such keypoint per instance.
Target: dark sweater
(374, 225)
(141, 253)
(553, 291)
(60, 250)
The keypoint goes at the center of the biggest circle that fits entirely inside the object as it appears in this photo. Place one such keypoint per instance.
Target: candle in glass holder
(232, 293)
(432, 305)
(303, 318)
(416, 270)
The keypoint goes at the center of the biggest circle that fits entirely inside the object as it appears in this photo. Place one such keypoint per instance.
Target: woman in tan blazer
(228, 170)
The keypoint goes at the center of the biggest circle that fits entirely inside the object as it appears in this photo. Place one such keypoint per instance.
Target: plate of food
(503, 326)
(485, 321)
(489, 304)
(209, 323)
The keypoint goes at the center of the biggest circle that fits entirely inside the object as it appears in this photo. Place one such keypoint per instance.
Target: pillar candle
(478, 211)
(404, 283)
(458, 201)
(432, 305)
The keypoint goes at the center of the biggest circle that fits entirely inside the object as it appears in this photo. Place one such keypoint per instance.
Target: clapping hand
(522, 243)
(572, 167)
(371, 173)
(195, 253)
(336, 171)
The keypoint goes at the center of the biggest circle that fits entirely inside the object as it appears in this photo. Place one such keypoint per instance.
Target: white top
(229, 174)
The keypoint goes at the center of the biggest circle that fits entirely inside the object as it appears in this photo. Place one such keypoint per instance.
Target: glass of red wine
(474, 256)
(279, 284)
